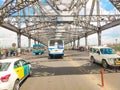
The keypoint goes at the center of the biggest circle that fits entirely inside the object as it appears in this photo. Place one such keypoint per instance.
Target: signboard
(13, 44)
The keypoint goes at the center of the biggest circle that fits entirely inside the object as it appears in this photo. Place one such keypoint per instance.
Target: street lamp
(116, 43)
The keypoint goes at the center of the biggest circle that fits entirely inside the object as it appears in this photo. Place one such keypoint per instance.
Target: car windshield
(107, 51)
(4, 66)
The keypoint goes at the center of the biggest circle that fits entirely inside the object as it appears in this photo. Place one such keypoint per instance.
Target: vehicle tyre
(16, 85)
(104, 64)
(41, 53)
(49, 57)
(37, 54)
(61, 57)
(92, 59)
(30, 73)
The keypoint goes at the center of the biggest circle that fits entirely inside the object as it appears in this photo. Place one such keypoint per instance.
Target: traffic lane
(59, 71)
(57, 67)
(69, 67)
(59, 74)
(62, 82)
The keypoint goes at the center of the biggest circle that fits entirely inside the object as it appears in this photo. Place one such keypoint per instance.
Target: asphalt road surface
(73, 72)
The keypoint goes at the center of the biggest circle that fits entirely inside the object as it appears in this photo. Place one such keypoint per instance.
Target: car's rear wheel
(16, 85)
(104, 64)
(92, 59)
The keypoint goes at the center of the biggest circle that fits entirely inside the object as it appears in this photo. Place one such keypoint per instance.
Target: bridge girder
(12, 6)
(49, 15)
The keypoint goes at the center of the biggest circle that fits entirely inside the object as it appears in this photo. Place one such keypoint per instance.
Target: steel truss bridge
(72, 20)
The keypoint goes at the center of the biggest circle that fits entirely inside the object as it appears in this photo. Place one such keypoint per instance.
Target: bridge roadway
(73, 72)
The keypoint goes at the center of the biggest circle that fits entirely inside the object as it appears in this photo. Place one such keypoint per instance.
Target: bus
(38, 49)
(56, 48)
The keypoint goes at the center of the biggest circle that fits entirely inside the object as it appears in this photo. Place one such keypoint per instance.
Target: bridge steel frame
(44, 23)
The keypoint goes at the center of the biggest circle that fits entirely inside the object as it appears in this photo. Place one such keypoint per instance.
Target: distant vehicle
(13, 72)
(104, 55)
(56, 48)
(38, 49)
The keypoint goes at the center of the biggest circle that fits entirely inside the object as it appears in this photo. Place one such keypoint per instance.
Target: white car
(13, 72)
(104, 55)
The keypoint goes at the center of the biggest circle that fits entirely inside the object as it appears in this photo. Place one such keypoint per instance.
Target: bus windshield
(56, 42)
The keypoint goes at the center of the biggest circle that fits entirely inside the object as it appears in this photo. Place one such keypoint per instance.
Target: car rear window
(4, 66)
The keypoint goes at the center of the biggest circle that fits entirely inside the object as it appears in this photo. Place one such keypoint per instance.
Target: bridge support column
(98, 22)
(19, 43)
(73, 43)
(29, 43)
(34, 41)
(78, 43)
(86, 42)
(99, 38)
(70, 44)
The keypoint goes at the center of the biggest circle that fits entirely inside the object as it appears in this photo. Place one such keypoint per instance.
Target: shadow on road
(40, 70)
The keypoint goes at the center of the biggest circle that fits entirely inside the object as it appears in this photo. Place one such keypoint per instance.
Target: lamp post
(116, 43)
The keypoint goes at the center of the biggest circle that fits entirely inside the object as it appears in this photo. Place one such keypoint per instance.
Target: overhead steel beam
(81, 21)
(110, 25)
(40, 8)
(10, 27)
(80, 4)
(49, 3)
(11, 7)
(7, 2)
(87, 18)
(71, 5)
(116, 3)
(15, 29)
(102, 28)
(87, 25)
(36, 26)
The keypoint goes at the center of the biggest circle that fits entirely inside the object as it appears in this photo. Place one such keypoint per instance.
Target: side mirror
(27, 63)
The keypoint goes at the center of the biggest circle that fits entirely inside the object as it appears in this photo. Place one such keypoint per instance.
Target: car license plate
(119, 59)
(117, 63)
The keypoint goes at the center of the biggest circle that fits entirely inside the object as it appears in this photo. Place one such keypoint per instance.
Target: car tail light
(5, 78)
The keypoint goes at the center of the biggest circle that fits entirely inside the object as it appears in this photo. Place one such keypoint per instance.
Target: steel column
(98, 13)
(86, 42)
(19, 42)
(98, 22)
(29, 43)
(71, 43)
(74, 44)
(78, 43)
(34, 41)
(99, 38)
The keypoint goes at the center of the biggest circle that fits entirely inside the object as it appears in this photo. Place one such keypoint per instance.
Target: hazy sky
(108, 36)
(8, 37)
